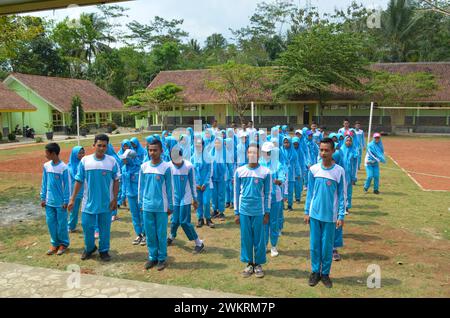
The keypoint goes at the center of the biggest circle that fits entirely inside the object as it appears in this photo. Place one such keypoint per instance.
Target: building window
(272, 107)
(90, 118)
(104, 118)
(190, 108)
(57, 118)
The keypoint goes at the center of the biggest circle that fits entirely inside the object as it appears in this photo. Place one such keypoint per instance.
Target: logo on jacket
(158, 177)
(256, 181)
(328, 183)
(56, 177)
(182, 178)
(104, 173)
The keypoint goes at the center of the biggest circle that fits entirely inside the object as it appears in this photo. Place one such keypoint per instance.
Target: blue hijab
(149, 140)
(124, 142)
(140, 151)
(287, 155)
(110, 152)
(74, 161)
(133, 165)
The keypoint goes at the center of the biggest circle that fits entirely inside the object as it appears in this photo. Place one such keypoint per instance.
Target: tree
(76, 102)
(161, 99)
(318, 58)
(400, 90)
(240, 84)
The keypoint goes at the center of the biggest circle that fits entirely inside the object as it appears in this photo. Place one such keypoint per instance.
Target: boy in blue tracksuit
(75, 158)
(99, 176)
(271, 230)
(324, 211)
(184, 194)
(54, 198)
(252, 194)
(219, 176)
(130, 179)
(203, 170)
(155, 199)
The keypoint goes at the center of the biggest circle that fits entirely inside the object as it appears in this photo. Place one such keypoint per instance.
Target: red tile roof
(59, 92)
(195, 90)
(10, 101)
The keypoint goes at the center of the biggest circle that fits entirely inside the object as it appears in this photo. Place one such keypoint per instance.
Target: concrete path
(34, 282)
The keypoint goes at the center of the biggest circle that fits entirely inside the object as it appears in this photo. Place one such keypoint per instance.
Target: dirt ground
(422, 156)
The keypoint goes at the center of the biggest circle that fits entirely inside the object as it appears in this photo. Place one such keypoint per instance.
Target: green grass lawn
(403, 230)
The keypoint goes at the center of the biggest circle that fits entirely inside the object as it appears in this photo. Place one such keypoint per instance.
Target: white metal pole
(78, 125)
(370, 122)
(253, 112)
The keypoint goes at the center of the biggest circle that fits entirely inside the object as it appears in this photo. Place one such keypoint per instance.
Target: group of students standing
(251, 171)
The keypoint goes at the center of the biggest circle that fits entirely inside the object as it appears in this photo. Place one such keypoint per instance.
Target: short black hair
(101, 137)
(357, 122)
(53, 147)
(328, 141)
(313, 123)
(346, 119)
(156, 142)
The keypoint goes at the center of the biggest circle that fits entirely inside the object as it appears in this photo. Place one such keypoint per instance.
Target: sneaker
(290, 209)
(169, 241)
(137, 240)
(326, 281)
(104, 256)
(259, 273)
(376, 191)
(52, 250)
(314, 279)
(143, 241)
(248, 271)
(336, 256)
(297, 201)
(210, 223)
(227, 205)
(96, 234)
(365, 190)
(273, 251)
(200, 223)
(61, 250)
(215, 214)
(87, 255)
(161, 265)
(150, 264)
(199, 249)
(222, 217)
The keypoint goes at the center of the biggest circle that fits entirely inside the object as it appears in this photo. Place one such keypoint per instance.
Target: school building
(201, 102)
(49, 100)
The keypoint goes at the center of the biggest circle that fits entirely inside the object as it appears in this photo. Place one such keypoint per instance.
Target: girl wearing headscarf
(374, 155)
(190, 133)
(126, 144)
(111, 152)
(288, 158)
(272, 230)
(75, 157)
(203, 169)
(312, 149)
(302, 144)
(241, 149)
(185, 145)
(130, 182)
(136, 146)
(219, 175)
(298, 186)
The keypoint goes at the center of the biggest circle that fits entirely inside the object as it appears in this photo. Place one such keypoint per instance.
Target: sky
(203, 17)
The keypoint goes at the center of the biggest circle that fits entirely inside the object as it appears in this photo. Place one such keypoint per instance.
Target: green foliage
(12, 137)
(39, 140)
(48, 126)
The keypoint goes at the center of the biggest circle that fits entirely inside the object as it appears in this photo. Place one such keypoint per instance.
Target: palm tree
(399, 26)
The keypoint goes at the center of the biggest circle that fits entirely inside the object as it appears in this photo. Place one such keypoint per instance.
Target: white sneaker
(346, 213)
(273, 252)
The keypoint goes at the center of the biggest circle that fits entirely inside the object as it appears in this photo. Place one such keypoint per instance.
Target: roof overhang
(21, 6)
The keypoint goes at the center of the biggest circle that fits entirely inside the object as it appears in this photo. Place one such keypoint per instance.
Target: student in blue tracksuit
(360, 142)
(241, 149)
(75, 158)
(298, 186)
(324, 211)
(54, 198)
(155, 199)
(271, 230)
(317, 135)
(99, 174)
(374, 155)
(124, 145)
(312, 150)
(219, 175)
(349, 162)
(130, 179)
(185, 195)
(230, 148)
(203, 169)
(148, 141)
(288, 158)
(136, 146)
(110, 152)
(252, 195)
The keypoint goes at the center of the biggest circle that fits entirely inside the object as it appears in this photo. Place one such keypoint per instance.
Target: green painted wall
(35, 119)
